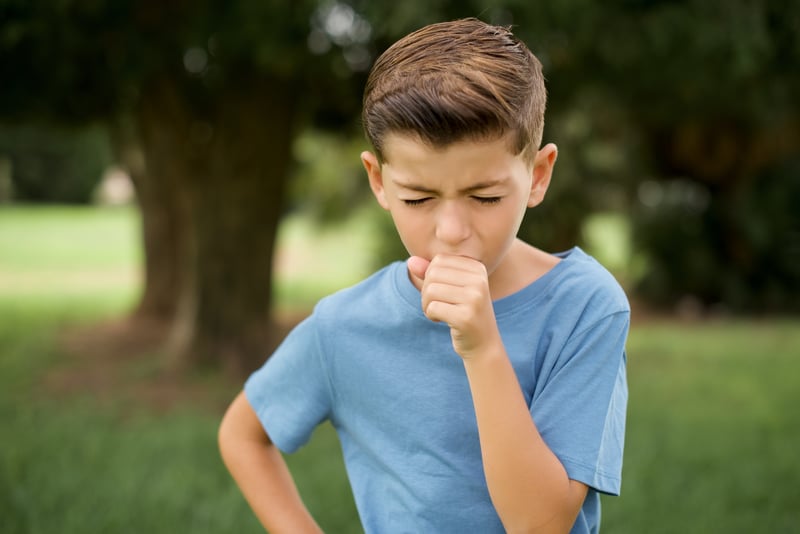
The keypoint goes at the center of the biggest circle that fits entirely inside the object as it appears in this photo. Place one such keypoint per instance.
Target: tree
(709, 89)
(684, 115)
(36, 153)
(204, 100)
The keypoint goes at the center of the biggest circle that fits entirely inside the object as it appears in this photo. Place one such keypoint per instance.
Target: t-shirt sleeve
(291, 393)
(581, 411)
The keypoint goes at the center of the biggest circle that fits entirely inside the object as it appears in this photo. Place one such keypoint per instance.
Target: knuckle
(473, 295)
(432, 310)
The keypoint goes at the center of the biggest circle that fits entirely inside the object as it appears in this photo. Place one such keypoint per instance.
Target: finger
(438, 274)
(471, 298)
(443, 312)
(461, 264)
(436, 288)
(444, 292)
(418, 266)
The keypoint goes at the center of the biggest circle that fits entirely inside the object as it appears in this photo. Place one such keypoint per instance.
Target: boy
(479, 386)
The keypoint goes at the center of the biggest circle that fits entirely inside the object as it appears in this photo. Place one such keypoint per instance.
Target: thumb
(418, 266)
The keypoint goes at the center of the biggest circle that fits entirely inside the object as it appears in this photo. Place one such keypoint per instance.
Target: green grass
(712, 431)
(68, 238)
(78, 463)
(67, 251)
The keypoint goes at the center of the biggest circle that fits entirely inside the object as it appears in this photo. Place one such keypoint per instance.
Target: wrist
(485, 354)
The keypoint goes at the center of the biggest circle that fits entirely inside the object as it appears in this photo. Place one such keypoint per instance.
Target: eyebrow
(471, 189)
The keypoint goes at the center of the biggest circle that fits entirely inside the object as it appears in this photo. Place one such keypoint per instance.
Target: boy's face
(466, 199)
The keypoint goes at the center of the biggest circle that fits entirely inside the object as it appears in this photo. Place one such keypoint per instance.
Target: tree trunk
(164, 121)
(237, 203)
(147, 152)
(211, 200)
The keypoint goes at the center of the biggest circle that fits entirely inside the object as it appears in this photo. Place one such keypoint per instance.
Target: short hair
(455, 81)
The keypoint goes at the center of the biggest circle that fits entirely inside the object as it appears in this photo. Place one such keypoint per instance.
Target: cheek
(505, 220)
(408, 225)
(499, 229)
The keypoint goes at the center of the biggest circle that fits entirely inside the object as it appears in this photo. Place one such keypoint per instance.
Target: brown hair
(453, 81)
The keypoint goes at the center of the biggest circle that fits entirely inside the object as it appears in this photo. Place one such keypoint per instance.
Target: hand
(455, 290)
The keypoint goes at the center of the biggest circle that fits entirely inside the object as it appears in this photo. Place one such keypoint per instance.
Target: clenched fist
(455, 291)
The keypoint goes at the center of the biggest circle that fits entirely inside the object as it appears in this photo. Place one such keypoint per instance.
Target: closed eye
(415, 201)
(488, 200)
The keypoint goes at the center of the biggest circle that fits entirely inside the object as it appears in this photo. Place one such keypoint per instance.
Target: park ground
(99, 435)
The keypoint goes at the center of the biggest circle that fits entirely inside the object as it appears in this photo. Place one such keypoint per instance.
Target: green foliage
(330, 186)
(693, 102)
(57, 165)
(329, 182)
(75, 60)
(685, 92)
(737, 249)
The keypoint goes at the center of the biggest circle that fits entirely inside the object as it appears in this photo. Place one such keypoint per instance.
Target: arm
(258, 468)
(528, 485)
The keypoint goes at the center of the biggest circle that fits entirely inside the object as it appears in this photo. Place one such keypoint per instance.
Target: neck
(522, 265)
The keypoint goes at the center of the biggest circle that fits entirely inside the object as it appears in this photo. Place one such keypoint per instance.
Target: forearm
(529, 486)
(261, 473)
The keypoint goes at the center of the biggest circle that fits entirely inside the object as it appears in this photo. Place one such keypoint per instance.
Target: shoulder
(584, 283)
(366, 297)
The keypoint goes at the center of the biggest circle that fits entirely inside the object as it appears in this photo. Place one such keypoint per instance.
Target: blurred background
(180, 182)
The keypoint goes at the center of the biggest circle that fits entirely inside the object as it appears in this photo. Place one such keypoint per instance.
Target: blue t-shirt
(390, 382)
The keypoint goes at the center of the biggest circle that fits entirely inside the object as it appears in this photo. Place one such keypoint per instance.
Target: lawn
(712, 429)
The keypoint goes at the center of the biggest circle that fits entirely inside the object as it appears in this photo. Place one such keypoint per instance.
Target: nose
(452, 224)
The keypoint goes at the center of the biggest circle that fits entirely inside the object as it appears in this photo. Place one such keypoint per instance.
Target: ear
(373, 168)
(542, 171)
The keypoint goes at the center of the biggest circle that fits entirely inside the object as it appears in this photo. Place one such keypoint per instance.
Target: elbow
(224, 439)
(239, 428)
(558, 524)
(557, 517)
(525, 526)
(231, 428)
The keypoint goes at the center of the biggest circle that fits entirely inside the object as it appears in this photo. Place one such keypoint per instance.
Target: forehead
(410, 157)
